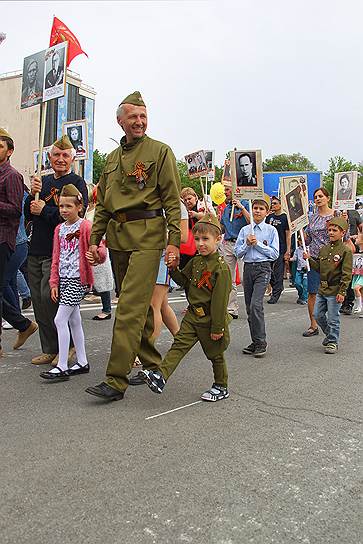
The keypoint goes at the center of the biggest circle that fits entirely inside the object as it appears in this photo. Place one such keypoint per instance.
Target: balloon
(267, 198)
(217, 193)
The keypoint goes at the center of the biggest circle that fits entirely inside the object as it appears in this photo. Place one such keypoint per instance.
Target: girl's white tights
(70, 315)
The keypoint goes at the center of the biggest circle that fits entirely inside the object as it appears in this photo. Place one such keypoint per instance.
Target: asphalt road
(275, 463)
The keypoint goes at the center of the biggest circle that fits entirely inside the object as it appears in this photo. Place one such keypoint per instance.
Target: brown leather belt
(134, 215)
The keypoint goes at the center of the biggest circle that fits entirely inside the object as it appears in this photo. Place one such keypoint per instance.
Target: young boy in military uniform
(207, 282)
(334, 264)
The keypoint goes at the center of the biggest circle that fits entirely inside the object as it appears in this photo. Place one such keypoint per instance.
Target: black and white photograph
(196, 164)
(77, 133)
(33, 77)
(226, 176)
(344, 191)
(295, 201)
(46, 167)
(55, 72)
(209, 157)
(358, 263)
(246, 173)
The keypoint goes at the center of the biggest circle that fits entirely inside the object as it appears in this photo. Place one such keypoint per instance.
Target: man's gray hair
(73, 151)
(119, 111)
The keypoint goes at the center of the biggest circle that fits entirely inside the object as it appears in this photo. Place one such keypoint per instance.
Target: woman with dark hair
(316, 236)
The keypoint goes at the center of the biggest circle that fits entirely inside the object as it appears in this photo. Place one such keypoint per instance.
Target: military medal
(140, 175)
(336, 258)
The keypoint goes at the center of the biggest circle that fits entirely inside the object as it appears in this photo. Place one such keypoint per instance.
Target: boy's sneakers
(216, 392)
(331, 348)
(325, 342)
(301, 301)
(154, 380)
(249, 350)
(357, 309)
(260, 351)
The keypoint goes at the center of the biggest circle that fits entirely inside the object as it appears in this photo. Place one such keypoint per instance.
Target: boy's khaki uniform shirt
(334, 264)
(207, 282)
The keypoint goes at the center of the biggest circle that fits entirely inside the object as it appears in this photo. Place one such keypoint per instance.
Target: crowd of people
(138, 231)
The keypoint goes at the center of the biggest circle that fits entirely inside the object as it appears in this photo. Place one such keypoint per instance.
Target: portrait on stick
(196, 164)
(33, 77)
(246, 174)
(345, 190)
(77, 133)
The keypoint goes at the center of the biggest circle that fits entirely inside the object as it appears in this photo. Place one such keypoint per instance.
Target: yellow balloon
(217, 193)
(267, 198)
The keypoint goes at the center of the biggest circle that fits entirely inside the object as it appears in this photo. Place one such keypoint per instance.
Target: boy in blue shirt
(258, 245)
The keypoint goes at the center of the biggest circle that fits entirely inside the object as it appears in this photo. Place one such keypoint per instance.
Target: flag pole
(41, 142)
(304, 248)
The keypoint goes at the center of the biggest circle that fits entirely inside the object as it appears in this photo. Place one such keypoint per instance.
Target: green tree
(288, 163)
(340, 164)
(99, 160)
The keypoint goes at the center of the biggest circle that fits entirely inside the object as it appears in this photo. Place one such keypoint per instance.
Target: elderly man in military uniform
(137, 198)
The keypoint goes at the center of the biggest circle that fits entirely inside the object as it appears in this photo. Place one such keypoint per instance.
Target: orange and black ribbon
(140, 173)
(53, 194)
(205, 280)
(72, 235)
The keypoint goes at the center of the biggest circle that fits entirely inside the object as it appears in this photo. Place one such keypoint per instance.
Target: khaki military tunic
(334, 264)
(138, 176)
(208, 283)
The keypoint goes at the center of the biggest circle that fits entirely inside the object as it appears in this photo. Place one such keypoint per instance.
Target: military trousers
(44, 308)
(189, 334)
(136, 273)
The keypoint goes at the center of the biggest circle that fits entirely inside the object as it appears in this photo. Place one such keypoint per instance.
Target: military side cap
(134, 98)
(5, 133)
(71, 190)
(210, 219)
(340, 222)
(63, 143)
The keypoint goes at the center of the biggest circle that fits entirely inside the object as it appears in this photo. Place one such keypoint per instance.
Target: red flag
(61, 33)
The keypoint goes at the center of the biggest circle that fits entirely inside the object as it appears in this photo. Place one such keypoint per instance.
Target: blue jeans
(10, 279)
(301, 284)
(23, 287)
(326, 313)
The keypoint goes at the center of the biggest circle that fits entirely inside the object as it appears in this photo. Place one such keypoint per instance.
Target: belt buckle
(199, 311)
(121, 217)
(324, 283)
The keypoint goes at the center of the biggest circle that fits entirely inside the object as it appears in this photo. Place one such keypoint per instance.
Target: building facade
(24, 124)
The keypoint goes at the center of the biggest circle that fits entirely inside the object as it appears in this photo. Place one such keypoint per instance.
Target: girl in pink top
(71, 277)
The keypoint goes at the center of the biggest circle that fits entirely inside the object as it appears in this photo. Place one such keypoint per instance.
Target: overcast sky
(278, 75)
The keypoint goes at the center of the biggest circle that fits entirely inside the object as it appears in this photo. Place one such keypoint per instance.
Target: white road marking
(174, 410)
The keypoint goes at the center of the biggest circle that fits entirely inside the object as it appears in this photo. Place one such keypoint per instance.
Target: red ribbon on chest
(53, 194)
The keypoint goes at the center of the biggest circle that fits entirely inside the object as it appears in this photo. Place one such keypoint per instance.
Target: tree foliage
(288, 163)
(340, 164)
(99, 161)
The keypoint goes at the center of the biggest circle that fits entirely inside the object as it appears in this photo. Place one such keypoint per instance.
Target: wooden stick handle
(41, 142)
(304, 248)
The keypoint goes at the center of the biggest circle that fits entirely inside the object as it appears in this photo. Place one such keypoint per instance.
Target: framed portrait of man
(55, 71)
(294, 199)
(246, 174)
(345, 190)
(77, 133)
(46, 167)
(32, 82)
(196, 164)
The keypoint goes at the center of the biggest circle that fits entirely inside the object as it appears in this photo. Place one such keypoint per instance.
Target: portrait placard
(77, 133)
(358, 263)
(209, 157)
(46, 167)
(226, 176)
(345, 190)
(33, 78)
(55, 71)
(246, 174)
(196, 164)
(294, 200)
